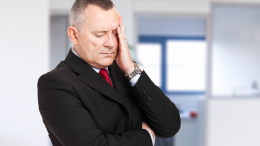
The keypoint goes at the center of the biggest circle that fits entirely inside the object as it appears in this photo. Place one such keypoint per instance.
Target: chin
(107, 62)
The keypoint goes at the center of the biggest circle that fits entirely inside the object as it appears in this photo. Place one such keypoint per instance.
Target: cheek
(90, 46)
(95, 44)
(93, 41)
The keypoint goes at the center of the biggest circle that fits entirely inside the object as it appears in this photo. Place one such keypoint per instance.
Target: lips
(107, 53)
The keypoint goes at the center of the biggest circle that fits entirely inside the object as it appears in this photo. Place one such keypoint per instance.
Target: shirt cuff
(135, 79)
(150, 136)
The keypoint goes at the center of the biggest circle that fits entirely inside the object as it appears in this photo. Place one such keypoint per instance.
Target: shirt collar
(96, 69)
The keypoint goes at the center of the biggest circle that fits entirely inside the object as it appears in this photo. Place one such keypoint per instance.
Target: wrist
(130, 69)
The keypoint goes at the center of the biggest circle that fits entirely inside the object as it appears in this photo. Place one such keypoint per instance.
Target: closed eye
(99, 36)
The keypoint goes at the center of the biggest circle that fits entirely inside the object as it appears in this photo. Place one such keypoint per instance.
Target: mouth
(107, 54)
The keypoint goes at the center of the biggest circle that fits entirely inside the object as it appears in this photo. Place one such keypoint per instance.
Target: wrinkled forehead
(98, 19)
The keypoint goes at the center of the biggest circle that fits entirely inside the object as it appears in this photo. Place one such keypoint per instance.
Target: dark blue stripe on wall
(155, 39)
(186, 93)
(162, 40)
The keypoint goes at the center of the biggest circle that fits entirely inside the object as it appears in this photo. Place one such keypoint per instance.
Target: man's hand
(145, 126)
(123, 58)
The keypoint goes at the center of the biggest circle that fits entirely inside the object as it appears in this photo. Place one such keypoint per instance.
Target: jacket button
(143, 91)
(126, 129)
(148, 98)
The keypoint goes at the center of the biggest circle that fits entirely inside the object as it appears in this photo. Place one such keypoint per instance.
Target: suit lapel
(94, 80)
(121, 84)
(91, 78)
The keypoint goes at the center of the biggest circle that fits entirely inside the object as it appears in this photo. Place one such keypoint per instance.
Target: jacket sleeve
(159, 111)
(69, 122)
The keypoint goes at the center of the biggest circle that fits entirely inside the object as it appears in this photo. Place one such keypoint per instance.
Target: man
(82, 105)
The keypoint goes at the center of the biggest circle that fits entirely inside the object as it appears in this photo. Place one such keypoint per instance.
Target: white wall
(59, 39)
(236, 49)
(173, 7)
(128, 9)
(23, 58)
(237, 1)
(171, 26)
(182, 7)
(233, 122)
(60, 6)
(235, 63)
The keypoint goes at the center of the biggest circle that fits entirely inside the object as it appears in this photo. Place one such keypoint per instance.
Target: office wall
(59, 39)
(233, 122)
(175, 6)
(24, 57)
(235, 49)
(237, 1)
(128, 9)
(171, 26)
(61, 5)
(192, 7)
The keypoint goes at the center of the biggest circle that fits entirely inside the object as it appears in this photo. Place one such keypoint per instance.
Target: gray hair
(78, 9)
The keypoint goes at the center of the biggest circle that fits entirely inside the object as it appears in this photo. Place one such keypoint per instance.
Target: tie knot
(104, 74)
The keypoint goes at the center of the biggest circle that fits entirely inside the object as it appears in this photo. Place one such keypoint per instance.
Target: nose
(109, 41)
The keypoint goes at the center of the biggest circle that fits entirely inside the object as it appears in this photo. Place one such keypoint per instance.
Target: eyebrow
(104, 31)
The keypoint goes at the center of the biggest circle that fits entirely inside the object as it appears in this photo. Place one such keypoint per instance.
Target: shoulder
(54, 78)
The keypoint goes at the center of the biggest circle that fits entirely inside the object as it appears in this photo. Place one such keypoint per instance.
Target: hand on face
(123, 58)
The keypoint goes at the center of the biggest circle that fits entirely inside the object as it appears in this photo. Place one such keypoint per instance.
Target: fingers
(121, 29)
(122, 26)
(120, 35)
(122, 40)
(145, 126)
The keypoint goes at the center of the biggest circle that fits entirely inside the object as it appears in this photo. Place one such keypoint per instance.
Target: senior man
(98, 96)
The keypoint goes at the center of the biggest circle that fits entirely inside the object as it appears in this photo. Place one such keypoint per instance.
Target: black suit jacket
(79, 108)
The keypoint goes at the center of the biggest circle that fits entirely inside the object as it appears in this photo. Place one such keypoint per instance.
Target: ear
(73, 34)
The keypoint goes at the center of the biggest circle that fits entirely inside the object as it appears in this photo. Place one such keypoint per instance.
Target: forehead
(96, 18)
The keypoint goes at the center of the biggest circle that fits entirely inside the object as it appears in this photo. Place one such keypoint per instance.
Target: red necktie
(104, 74)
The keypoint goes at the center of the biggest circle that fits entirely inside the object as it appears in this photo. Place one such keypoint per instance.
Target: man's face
(97, 39)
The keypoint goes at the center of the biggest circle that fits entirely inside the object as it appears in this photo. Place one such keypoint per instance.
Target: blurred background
(203, 54)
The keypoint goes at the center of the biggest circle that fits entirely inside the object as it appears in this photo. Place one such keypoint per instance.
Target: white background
(24, 57)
